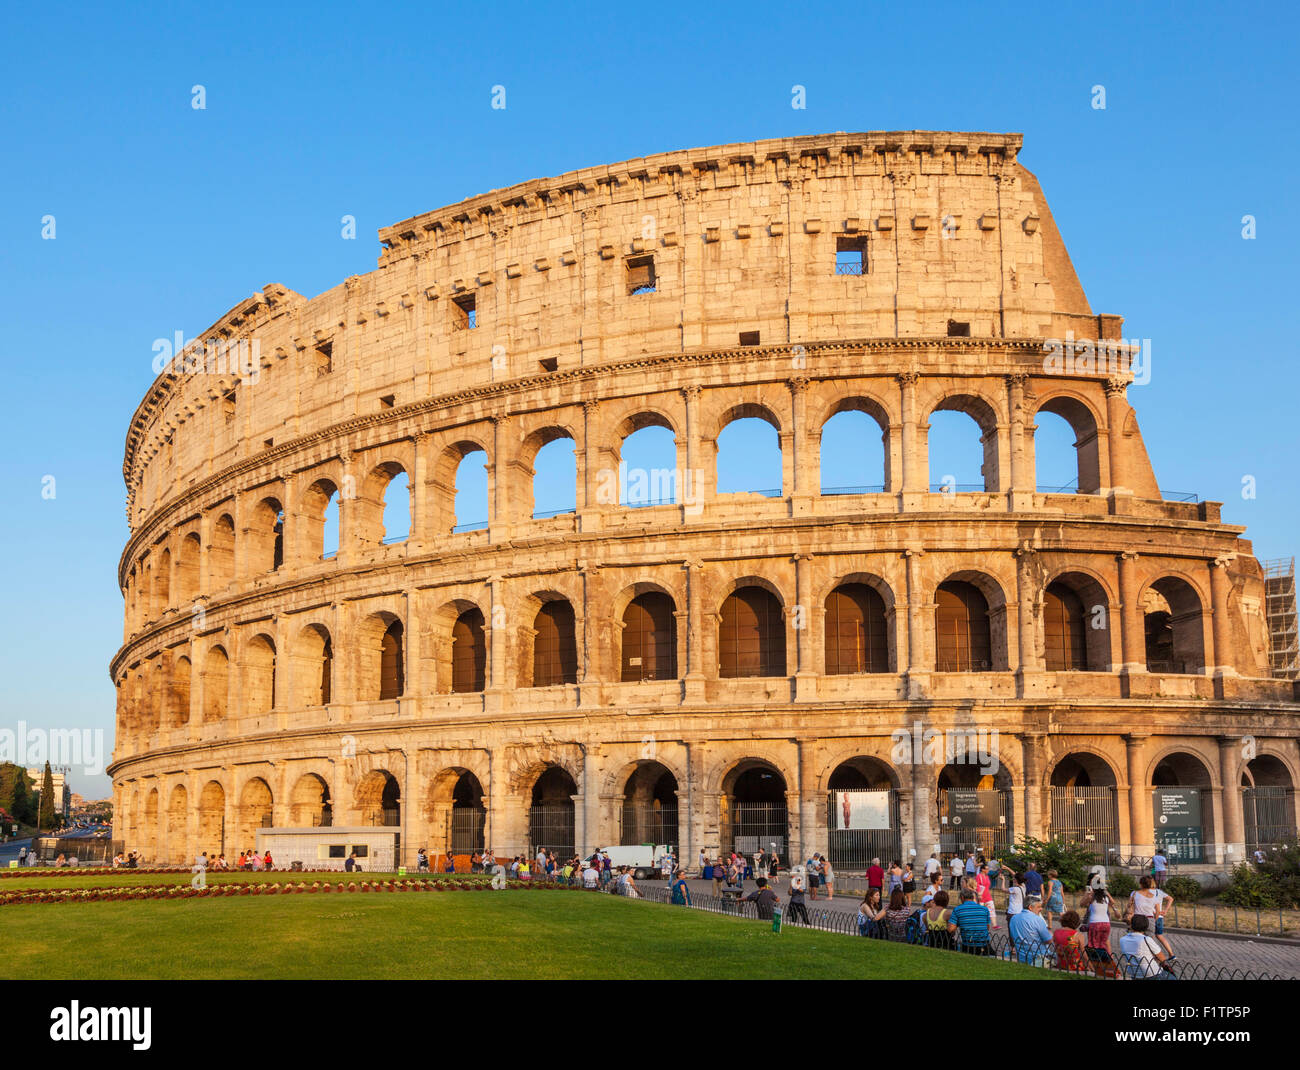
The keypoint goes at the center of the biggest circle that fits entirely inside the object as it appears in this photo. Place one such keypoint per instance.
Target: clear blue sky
(167, 216)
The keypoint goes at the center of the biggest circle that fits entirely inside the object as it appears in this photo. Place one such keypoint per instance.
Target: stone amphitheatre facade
(711, 670)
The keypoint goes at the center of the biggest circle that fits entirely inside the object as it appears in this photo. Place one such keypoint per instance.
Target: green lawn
(507, 934)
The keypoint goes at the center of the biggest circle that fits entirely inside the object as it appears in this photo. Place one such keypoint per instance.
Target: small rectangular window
(958, 330)
(464, 314)
(850, 255)
(324, 358)
(338, 850)
(549, 364)
(388, 401)
(749, 338)
(267, 443)
(641, 275)
(228, 405)
(361, 850)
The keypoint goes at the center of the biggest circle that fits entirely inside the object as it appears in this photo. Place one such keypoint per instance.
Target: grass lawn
(507, 934)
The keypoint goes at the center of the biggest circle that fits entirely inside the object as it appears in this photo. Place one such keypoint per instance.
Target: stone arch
(551, 817)
(876, 411)
(456, 810)
(381, 657)
(751, 630)
(525, 472)
(753, 807)
(552, 648)
(1084, 422)
(1178, 773)
(970, 632)
(851, 770)
(649, 811)
(858, 636)
(255, 809)
(368, 511)
(985, 413)
(178, 704)
(212, 818)
(188, 556)
(771, 482)
(1268, 801)
(258, 683)
(264, 536)
(1073, 604)
(316, 502)
(1173, 625)
(447, 504)
(149, 827)
(378, 799)
(1084, 766)
(314, 666)
(221, 553)
(216, 684)
(310, 805)
(177, 814)
(635, 485)
(163, 583)
(647, 631)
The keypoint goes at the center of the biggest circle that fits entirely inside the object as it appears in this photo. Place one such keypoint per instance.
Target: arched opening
(470, 492)
(963, 641)
(550, 816)
(862, 817)
(555, 649)
(1085, 804)
(179, 699)
(649, 638)
(855, 449)
(1065, 633)
(1268, 803)
(379, 799)
(149, 829)
(962, 444)
(749, 454)
(751, 634)
(320, 516)
(382, 510)
(976, 812)
(397, 509)
(468, 815)
(1173, 627)
(253, 813)
(753, 810)
(265, 536)
(212, 819)
(649, 813)
(1182, 806)
(221, 553)
(163, 583)
(309, 803)
(187, 570)
(468, 652)
(259, 676)
(315, 668)
(647, 473)
(392, 667)
(177, 812)
(1066, 458)
(857, 631)
(216, 685)
(555, 478)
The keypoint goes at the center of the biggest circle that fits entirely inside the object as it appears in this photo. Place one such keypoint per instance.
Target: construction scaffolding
(1280, 615)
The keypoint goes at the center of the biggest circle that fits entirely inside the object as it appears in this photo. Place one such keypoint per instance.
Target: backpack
(915, 930)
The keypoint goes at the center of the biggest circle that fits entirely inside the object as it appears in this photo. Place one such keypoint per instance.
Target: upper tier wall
(743, 239)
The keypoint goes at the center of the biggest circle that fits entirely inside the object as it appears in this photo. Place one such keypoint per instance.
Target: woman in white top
(1151, 902)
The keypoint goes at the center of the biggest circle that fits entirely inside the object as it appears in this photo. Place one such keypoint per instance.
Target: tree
(16, 793)
(46, 817)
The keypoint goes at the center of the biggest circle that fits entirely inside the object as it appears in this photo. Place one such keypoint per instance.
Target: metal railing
(998, 945)
(875, 488)
(548, 513)
(472, 525)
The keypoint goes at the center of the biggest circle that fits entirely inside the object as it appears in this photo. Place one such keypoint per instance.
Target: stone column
(499, 522)
(1030, 671)
(421, 521)
(1021, 495)
(588, 832)
(693, 681)
(588, 465)
(810, 832)
(1141, 826)
(1220, 588)
(1233, 821)
(1132, 631)
(1116, 414)
(798, 478)
(348, 502)
(495, 634)
(918, 664)
(696, 484)
(916, 473)
(1031, 754)
(805, 673)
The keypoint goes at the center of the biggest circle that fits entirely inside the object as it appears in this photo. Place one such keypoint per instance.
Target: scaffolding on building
(1280, 615)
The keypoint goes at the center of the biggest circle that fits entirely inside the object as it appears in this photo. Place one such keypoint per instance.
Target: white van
(642, 858)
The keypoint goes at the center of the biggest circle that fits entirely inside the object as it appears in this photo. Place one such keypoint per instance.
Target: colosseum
(906, 665)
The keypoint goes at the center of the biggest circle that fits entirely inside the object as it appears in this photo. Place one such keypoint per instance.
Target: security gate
(862, 825)
(1269, 815)
(648, 825)
(551, 825)
(975, 819)
(752, 825)
(1087, 816)
(465, 829)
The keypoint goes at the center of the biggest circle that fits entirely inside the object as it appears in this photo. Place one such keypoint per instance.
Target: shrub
(1121, 885)
(1070, 859)
(1184, 889)
(1250, 887)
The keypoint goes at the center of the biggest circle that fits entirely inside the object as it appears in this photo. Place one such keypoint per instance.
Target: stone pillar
(1031, 755)
(1132, 629)
(348, 502)
(495, 634)
(497, 795)
(1141, 826)
(810, 831)
(918, 664)
(1021, 495)
(693, 680)
(587, 832)
(1030, 671)
(696, 485)
(916, 471)
(1220, 588)
(802, 618)
(1233, 822)
(499, 520)
(421, 507)
(1116, 414)
(587, 462)
(798, 476)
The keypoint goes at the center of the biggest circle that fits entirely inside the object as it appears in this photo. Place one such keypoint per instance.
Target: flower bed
(137, 893)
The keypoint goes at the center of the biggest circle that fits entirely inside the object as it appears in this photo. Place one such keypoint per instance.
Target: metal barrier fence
(999, 945)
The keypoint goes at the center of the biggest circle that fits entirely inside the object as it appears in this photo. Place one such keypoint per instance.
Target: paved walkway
(1229, 952)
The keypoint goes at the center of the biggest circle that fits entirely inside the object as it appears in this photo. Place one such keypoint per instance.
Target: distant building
(62, 793)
